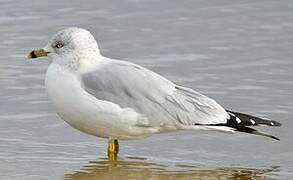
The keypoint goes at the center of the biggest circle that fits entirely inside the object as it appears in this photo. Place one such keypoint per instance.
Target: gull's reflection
(139, 168)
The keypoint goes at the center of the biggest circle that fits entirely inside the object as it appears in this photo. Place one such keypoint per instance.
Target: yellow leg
(113, 149)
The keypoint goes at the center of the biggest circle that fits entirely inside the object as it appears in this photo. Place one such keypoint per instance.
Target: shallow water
(237, 52)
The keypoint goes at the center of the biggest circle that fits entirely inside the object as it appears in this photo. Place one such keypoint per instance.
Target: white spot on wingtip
(272, 123)
(252, 121)
(238, 120)
(231, 114)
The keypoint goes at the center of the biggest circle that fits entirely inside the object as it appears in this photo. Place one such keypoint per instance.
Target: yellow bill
(37, 53)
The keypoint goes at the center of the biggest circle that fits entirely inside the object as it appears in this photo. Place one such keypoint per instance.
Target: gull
(120, 100)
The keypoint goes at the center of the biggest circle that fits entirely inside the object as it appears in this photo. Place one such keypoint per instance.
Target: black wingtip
(241, 119)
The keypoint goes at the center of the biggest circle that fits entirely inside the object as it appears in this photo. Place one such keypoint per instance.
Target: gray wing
(161, 101)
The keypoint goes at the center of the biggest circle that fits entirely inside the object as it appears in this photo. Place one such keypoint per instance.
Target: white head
(70, 47)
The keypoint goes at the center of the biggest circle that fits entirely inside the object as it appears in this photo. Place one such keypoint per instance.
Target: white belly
(86, 113)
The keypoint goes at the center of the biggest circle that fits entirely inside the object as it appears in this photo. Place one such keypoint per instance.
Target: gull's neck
(90, 62)
(82, 61)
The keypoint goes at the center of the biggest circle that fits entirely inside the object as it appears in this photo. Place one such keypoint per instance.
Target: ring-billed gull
(120, 100)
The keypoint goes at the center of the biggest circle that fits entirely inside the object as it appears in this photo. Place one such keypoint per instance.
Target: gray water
(237, 52)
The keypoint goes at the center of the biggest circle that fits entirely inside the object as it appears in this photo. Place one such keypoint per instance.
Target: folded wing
(161, 101)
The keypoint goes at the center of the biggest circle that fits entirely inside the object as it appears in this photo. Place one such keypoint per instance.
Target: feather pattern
(160, 100)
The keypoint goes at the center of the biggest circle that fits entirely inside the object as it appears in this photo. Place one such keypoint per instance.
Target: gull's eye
(59, 45)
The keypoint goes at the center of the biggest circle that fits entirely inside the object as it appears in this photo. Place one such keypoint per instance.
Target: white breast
(63, 89)
(86, 113)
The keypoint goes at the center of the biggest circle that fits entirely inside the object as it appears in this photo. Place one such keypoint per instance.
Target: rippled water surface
(237, 52)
